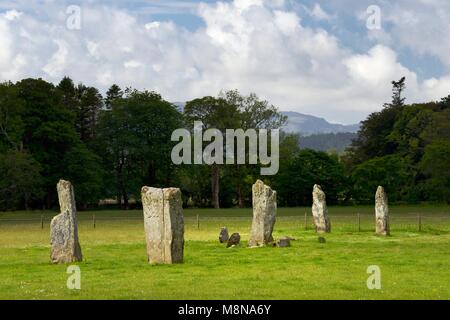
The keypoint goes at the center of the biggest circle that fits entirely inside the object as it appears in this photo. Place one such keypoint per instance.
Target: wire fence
(417, 222)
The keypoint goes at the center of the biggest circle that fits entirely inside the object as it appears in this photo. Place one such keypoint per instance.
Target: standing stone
(320, 211)
(164, 225)
(382, 212)
(223, 236)
(234, 240)
(64, 229)
(264, 214)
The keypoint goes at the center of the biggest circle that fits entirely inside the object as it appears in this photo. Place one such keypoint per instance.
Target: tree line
(109, 147)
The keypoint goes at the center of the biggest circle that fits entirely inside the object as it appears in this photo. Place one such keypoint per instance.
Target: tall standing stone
(264, 214)
(320, 211)
(382, 212)
(64, 228)
(164, 225)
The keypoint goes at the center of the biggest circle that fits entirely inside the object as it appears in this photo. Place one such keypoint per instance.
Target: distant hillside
(328, 141)
(308, 125)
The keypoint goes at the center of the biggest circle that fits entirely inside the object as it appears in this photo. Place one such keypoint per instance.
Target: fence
(416, 222)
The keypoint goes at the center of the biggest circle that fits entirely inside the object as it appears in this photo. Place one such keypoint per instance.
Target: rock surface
(264, 214)
(64, 228)
(320, 211)
(164, 225)
(382, 212)
(234, 240)
(224, 236)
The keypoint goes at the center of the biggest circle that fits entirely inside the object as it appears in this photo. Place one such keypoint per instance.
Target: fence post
(359, 222)
(306, 221)
(198, 222)
(419, 222)
(42, 221)
(93, 220)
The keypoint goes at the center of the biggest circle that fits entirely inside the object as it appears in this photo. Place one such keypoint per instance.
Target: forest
(110, 146)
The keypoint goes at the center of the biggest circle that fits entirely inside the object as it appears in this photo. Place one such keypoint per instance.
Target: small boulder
(224, 236)
(234, 240)
(284, 242)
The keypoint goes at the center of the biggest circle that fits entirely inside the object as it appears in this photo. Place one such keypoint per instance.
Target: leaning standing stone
(164, 225)
(64, 229)
(382, 212)
(320, 211)
(264, 214)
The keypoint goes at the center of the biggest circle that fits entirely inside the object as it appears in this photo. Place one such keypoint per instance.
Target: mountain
(304, 124)
(307, 125)
(180, 106)
(338, 142)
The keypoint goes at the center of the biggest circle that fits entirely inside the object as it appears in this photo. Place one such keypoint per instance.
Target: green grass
(414, 265)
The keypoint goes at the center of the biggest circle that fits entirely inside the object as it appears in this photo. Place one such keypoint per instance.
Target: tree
(113, 94)
(374, 136)
(83, 168)
(392, 172)
(214, 113)
(49, 135)
(11, 124)
(134, 139)
(436, 166)
(21, 182)
(298, 175)
(90, 104)
(253, 113)
(231, 110)
(48, 130)
(68, 91)
(408, 131)
(397, 89)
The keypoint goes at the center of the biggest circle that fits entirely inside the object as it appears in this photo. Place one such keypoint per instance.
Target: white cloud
(378, 67)
(253, 45)
(422, 26)
(57, 63)
(12, 15)
(132, 64)
(318, 13)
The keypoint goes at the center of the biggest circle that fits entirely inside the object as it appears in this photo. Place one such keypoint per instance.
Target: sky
(333, 59)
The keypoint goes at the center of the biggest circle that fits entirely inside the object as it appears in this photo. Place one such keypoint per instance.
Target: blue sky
(315, 57)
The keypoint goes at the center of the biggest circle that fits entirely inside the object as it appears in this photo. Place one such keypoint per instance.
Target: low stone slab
(64, 227)
(164, 225)
(264, 214)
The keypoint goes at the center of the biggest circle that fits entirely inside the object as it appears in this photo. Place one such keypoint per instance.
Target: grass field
(414, 265)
